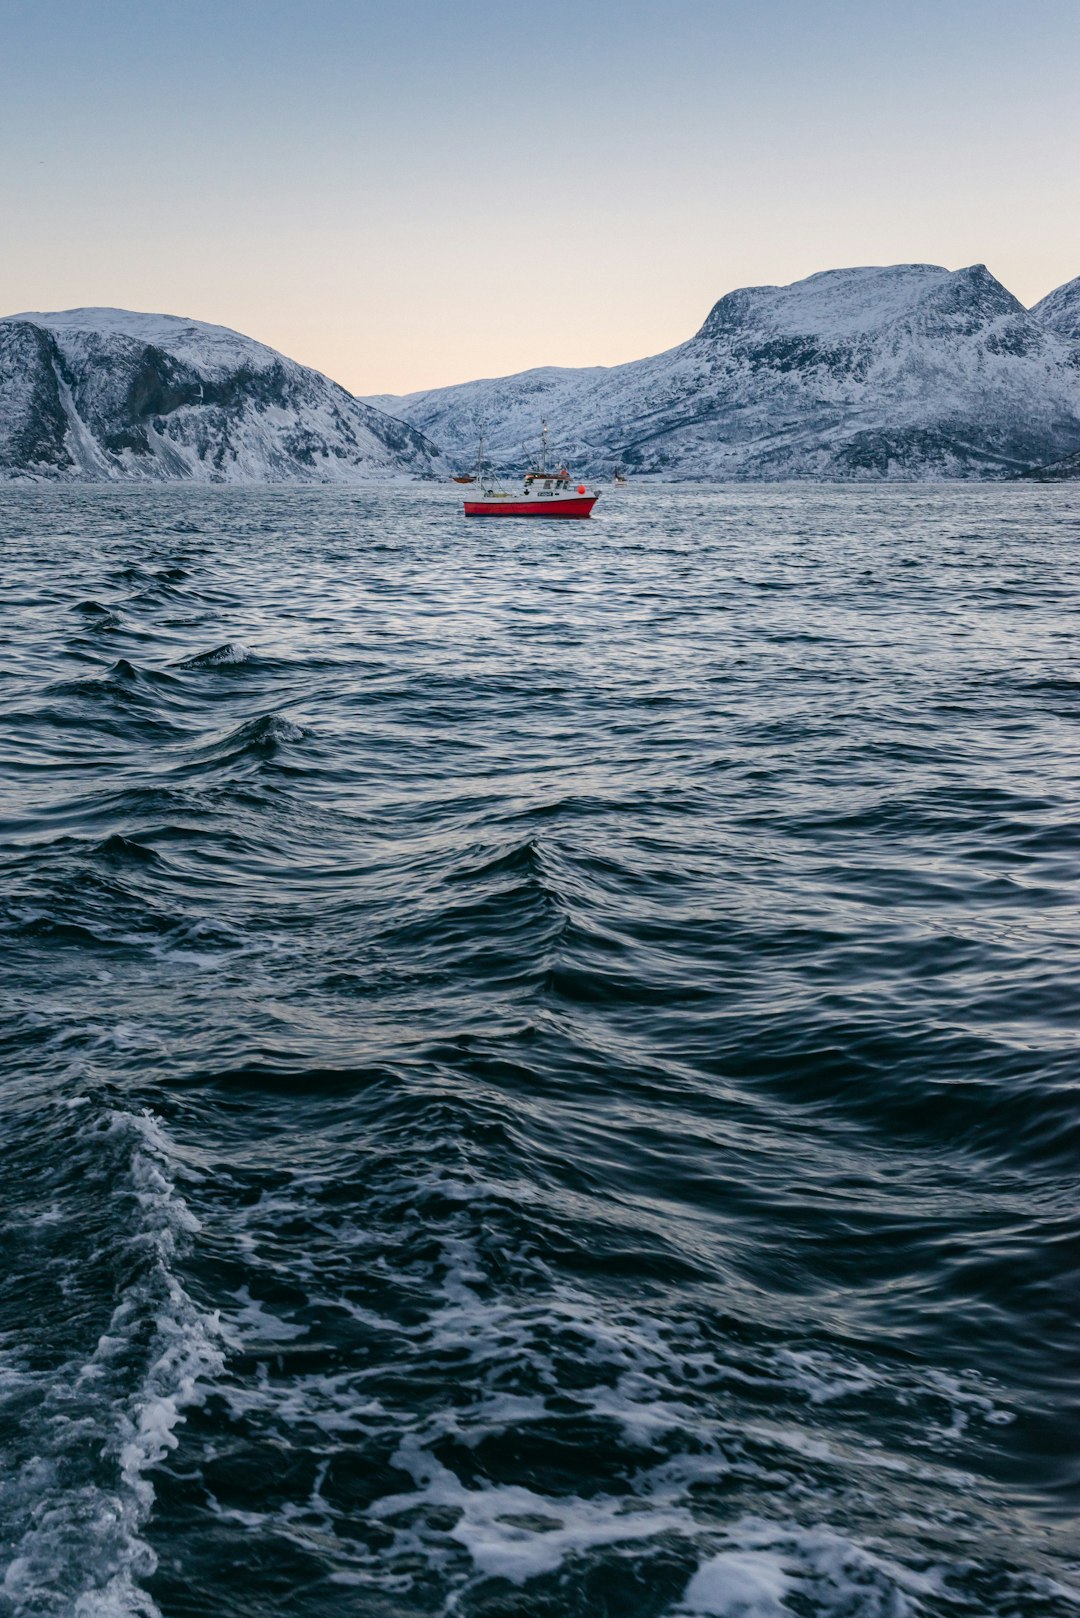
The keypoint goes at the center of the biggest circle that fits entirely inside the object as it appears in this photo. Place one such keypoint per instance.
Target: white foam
(253, 1325)
(328, 1403)
(965, 1402)
(738, 1584)
(512, 1532)
(765, 1562)
(823, 1378)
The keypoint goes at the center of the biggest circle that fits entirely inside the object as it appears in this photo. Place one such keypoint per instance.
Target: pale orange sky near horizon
(350, 185)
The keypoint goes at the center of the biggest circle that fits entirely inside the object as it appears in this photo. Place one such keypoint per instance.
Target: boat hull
(578, 505)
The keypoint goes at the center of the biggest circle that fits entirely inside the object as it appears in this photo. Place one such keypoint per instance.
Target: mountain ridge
(909, 372)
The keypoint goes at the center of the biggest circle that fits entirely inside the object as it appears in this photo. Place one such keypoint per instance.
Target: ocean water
(540, 1069)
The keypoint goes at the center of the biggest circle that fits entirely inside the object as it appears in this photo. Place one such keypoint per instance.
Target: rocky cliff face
(909, 372)
(104, 394)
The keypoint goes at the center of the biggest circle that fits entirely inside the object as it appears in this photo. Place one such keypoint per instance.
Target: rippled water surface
(540, 1061)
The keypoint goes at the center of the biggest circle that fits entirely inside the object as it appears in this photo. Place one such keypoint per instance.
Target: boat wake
(75, 1490)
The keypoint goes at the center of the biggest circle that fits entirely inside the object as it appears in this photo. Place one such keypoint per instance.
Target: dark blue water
(540, 1062)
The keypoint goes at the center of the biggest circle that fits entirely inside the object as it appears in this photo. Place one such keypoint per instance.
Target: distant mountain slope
(103, 394)
(907, 372)
(1060, 310)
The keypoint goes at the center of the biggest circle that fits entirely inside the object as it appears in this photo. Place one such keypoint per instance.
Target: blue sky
(412, 194)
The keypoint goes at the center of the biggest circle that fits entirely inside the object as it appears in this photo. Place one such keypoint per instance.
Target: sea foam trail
(674, 1418)
(75, 1508)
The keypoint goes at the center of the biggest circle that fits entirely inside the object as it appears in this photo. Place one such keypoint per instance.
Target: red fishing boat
(544, 493)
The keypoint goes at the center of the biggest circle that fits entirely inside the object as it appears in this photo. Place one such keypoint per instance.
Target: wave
(230, 654)
(259, 738)
(120, 849)
(124, 685)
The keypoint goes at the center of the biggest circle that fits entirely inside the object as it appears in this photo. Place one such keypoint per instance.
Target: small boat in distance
(464, 477)
(544, 493)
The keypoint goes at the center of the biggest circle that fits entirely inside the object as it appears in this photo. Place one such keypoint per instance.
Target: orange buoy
(581, 488)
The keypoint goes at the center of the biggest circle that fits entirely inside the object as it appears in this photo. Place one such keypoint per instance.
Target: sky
(415, 193)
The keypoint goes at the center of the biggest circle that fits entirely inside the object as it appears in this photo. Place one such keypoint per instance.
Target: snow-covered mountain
(906, 372)
(101, 394)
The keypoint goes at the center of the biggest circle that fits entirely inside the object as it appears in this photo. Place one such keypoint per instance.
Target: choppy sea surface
(540, 1062)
